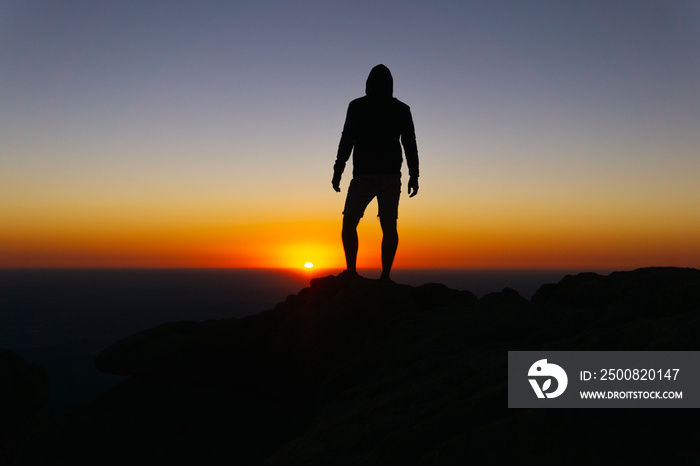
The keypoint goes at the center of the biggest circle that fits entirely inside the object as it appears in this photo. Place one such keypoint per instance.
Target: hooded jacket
(376, 126)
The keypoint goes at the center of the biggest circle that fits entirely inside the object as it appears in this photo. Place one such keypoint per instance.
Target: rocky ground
(24, 390)
(358, 371)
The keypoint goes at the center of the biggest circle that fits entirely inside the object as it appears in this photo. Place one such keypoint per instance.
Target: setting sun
(309, 265)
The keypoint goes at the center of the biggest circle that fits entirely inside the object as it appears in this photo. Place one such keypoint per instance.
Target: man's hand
(412, 186)
(336, 183)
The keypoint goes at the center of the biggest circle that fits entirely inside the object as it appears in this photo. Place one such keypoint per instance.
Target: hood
(379, 82)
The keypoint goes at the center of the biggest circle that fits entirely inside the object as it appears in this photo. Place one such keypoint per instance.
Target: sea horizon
(484, 280)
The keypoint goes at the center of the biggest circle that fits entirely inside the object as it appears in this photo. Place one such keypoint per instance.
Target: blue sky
(555, 115)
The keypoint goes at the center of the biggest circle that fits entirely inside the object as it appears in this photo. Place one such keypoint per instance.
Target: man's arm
(412, 186)
(410, 148)
(347, 141)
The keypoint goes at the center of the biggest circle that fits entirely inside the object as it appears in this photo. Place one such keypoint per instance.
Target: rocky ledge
(24, 390)
(357, 371)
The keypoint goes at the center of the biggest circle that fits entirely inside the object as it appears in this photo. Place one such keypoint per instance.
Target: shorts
(364, 188)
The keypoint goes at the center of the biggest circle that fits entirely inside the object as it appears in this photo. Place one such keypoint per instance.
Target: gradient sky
(551, 134)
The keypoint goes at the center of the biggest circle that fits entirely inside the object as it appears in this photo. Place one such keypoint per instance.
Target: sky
(551, 134)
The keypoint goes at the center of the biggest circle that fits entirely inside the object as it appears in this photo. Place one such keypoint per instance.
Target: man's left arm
(410, 148)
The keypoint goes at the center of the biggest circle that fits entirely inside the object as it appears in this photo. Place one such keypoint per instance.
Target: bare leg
(390, 241)
(350, 242)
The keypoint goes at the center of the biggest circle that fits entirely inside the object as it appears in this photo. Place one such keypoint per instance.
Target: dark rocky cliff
(357, 371)
(24, 390)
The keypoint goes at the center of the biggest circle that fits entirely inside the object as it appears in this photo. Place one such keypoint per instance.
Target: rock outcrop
(24, 390)
(357, 371)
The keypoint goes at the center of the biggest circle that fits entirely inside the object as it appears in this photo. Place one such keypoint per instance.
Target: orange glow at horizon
(523, 233)
(290, 245)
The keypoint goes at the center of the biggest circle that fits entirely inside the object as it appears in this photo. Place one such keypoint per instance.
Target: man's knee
(350, 223)
(388, 224)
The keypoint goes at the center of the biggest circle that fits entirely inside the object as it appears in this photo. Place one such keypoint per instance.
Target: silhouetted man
(374, 126)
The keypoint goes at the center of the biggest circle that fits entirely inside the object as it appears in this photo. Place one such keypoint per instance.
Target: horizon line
(310, 271)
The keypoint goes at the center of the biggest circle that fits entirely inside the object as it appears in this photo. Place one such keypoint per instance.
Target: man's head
(379, 82)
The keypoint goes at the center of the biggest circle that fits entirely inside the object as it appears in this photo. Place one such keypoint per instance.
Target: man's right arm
(347, 142)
